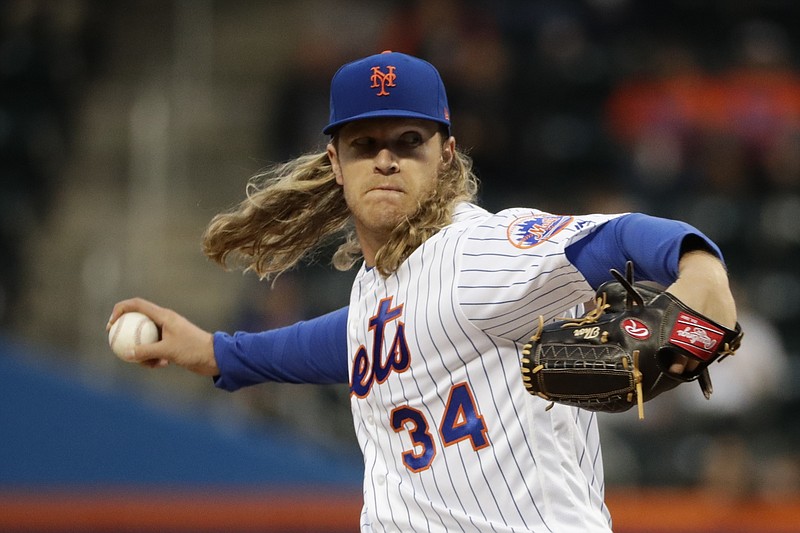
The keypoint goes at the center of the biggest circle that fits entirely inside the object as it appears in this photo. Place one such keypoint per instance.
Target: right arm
(312, 351)
(182, 343)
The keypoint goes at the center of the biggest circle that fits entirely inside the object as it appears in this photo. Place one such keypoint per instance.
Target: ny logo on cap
(382, 79)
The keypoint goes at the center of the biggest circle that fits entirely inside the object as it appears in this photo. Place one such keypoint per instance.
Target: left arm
(655, 245)
(702, 285)
(670, 252)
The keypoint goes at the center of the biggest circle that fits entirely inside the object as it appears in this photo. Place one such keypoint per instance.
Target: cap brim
(383, 113)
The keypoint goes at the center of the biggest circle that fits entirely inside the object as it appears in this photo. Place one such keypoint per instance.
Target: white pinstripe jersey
(451, 439)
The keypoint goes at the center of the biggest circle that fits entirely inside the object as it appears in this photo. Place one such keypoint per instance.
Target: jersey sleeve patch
(532, 230)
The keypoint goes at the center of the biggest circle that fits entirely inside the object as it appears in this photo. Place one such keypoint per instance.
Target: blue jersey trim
(653, 244)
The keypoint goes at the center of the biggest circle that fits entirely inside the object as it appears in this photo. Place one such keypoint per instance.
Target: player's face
(387, 168)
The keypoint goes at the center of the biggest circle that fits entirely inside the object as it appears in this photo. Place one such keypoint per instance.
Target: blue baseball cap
(389, 84)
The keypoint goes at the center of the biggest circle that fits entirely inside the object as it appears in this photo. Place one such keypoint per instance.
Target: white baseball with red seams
(130, 330)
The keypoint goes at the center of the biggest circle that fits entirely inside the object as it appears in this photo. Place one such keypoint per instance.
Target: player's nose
(386, 162)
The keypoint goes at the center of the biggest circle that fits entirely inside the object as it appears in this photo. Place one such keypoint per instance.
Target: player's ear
(448, 151)
(333, 157)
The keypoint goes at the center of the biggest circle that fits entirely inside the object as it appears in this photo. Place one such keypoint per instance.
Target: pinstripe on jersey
(451, 439)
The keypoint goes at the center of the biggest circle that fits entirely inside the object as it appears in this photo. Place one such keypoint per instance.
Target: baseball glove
(618, 354)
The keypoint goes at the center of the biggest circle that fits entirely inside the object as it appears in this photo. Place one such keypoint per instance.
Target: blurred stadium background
(125, 126)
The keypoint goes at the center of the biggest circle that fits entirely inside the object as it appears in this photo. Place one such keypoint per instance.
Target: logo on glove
(587, 333)
(635, 329)
(696, 336)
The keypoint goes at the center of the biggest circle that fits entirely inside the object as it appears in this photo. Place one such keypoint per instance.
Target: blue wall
(57, 430)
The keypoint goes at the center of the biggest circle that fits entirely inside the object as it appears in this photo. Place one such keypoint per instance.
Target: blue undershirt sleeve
(312, 351)
(653, 244)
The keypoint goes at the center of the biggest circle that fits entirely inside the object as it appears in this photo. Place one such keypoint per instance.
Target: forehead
(387, 126)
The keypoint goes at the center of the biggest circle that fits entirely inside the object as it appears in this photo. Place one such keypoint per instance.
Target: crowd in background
(44, 61)
(688, 110)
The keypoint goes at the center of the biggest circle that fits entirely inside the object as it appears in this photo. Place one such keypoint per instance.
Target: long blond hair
(293, 209)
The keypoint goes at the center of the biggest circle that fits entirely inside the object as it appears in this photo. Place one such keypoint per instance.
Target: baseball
(129, 330)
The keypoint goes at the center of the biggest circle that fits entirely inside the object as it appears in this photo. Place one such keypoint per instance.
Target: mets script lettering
(382, 79)
(377, 368)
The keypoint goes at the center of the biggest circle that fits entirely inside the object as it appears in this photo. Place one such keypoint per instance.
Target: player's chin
(388, 209)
